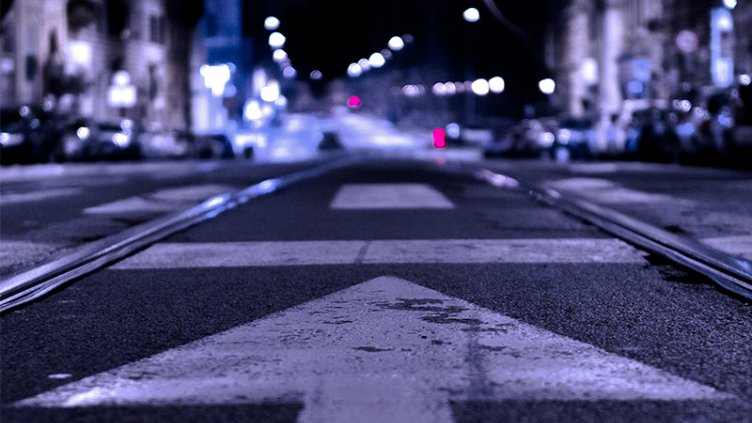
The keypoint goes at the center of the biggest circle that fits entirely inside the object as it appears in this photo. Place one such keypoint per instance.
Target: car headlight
(564, 136)
(120, 139)
(8, 139)
(83, 133)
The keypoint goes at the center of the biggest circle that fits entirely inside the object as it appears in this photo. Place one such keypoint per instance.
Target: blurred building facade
(608, 53)
(104, 59)
(224, 56)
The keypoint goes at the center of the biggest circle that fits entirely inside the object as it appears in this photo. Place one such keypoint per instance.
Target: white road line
(27, 197)
(386, 350)
(159, 201)
(740, 245)
(607, 192)
(389, 196)
(240, 254)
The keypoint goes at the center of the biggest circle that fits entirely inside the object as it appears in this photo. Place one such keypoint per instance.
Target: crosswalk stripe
(382, 350)
(389, 196)
(739, 245)
(159, 201)
(28, 197)
(608, 192)
(239, 254)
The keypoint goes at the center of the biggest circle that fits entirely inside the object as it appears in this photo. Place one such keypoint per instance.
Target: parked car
(574, 136)
(85, 139)
(29, 135)
(213, 146)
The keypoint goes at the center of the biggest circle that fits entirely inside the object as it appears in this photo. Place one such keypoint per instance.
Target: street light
(547, 86)
(277, 40)
(396, 43)
(471, 14)
(271, 23)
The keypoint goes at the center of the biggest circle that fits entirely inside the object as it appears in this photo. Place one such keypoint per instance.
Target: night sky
(329, 34)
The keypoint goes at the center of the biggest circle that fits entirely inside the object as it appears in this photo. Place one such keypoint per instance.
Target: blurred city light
(745, 79)
(122, 93)
(271, 23)
(364, 65)
(496, 85)
(252, 110)
(80, 53)
(277, 40)
(412, 90)
(480, 87)
(216, 77)
(731, 4)
(439, 137)
(471, 14)
(453, 130)
(396, 43)
(386, 53)
(279, 55)
(289, 72)
(589, 70)
(270, 93)
(354, 101)
(376, 60)
(354, 70)
(316, 75)
(439, 89)
(450, 88)
(547, 86)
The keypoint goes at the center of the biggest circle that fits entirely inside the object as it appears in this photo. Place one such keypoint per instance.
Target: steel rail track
(34, 283)
(732, 274)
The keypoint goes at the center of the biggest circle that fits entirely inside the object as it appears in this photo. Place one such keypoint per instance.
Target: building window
(157, 29)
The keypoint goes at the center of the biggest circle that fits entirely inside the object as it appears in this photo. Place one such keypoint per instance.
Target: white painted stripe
(607, 192)
(240, 254)
(386, 350)
(160, 201)
(19, 253)
(190, 193)
(740, 245)
(129, 205)
(27, 197)
(389, 196)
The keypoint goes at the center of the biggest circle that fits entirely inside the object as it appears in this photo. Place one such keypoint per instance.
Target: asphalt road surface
(390, 290)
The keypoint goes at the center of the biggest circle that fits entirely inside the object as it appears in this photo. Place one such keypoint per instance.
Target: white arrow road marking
(159, 201)
(450, 251)
(389, 196)
(386, 350)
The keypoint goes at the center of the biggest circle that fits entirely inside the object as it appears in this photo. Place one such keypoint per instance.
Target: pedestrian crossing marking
(389, 196)
(159, 201)
(739, 245)
(383, 350)
(607, 192)
(440, 251)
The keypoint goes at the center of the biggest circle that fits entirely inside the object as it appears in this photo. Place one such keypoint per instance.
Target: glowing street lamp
(496, 84)
(396, 43)
(277, 40)
(271, 23)
(376, 60)
(547, 86)
(354, 70)
(471, 15)
(480, 87)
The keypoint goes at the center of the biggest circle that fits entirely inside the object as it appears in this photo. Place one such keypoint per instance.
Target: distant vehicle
(85, 139)
(29, 135)
(574, 136)
(213, 146)
(740, 135)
